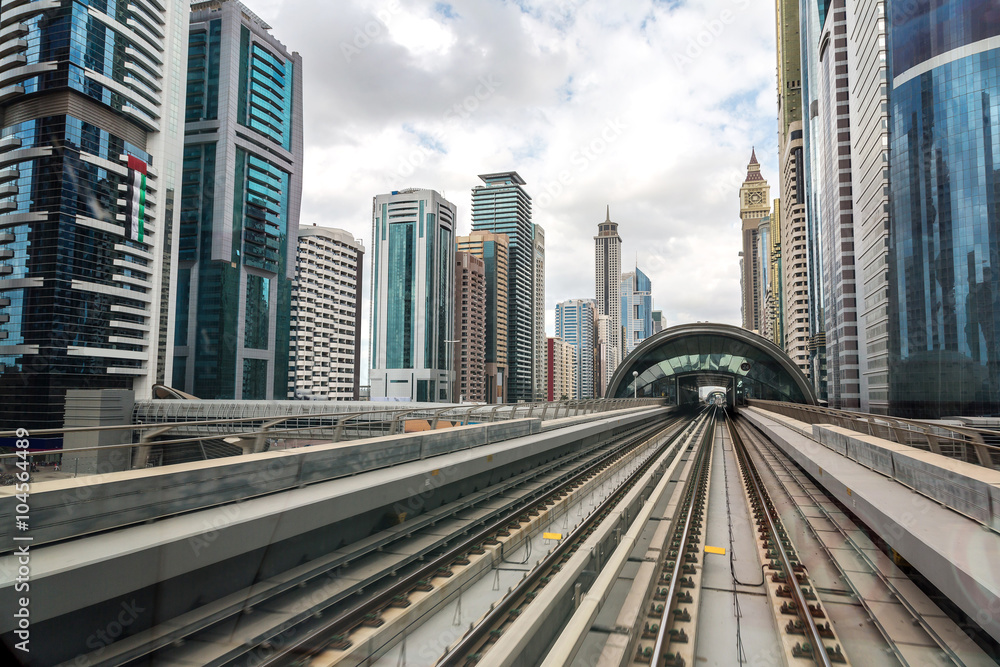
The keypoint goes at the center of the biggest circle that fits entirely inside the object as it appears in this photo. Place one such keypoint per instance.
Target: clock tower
(755, 204)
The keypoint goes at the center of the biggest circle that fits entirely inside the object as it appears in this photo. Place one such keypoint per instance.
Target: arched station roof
(715, 355)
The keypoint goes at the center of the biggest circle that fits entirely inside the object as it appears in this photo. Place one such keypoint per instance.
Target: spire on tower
(607, 217)
(753, 155)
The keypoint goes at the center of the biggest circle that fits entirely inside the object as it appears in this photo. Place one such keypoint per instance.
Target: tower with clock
(755, 205)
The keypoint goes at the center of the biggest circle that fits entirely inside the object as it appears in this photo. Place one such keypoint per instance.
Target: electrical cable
(740, 651)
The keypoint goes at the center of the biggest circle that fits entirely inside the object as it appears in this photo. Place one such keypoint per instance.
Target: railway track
(326, 642)
(474, 645)
(914, 631)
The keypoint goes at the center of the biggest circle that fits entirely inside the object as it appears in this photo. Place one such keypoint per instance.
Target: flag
(135, 198)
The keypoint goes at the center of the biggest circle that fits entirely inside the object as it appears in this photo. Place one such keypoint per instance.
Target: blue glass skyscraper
(945, 238)
(89, 155)
(239, 207)
(637, 308)
(576, 325)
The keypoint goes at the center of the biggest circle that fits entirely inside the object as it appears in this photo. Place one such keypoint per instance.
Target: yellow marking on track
(715, 550)
(551, 536)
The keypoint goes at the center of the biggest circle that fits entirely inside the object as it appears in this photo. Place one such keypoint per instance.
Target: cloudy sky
(648, 106)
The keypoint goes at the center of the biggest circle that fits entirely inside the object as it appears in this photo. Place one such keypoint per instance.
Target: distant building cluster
(604, 329)
(877, 269)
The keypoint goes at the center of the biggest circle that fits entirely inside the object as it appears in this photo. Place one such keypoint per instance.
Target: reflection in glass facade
(82, 297)
(753, 368)
(236, 252)
(945, 243)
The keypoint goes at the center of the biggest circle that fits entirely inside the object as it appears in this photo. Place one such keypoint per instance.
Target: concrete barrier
(67, 508)
(964, 487)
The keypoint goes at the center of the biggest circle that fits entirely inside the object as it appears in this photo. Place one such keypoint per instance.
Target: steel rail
(351, 618)
(458, 655)
(762, 445)
(694, 482)
(816, 640)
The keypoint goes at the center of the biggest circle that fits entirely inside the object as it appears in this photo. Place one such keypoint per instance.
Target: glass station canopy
(674, 363)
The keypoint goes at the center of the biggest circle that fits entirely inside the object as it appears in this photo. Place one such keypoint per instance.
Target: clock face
(755, 198)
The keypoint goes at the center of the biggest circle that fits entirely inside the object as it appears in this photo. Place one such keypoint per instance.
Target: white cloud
(646, 105)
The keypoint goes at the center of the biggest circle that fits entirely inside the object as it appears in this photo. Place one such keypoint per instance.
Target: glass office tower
(413, 296)
(576, 325)
(90, 141)
(239, 207)
(945, 240)
(503, 206)
(637, 308)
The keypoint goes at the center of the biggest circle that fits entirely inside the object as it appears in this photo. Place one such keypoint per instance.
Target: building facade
(791, 213)
(832, 171)
(413, 296)
(602, 354)
(869, 67)
(494, 250)
(470, 328)
(944, 344)
(503, 206)
(659, 321)
(540, 351)
(755, 205)
(325, 342)
(561, 365)
(607, 272)
(90, 148)
(637, 308)
(575, 324)
(239, 207)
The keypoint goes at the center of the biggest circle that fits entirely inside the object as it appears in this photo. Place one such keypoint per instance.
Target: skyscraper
(867, 62)
(755, 205)
(90, 143)
(239, 207)
(325, 355)
(607, 272)
(791, 214)
(944, 349)
(575, 325)
(834, 211)
(538, 313)
(494, 250)
(637, 308)
(413, 289)
(470, 328)
(503, 206)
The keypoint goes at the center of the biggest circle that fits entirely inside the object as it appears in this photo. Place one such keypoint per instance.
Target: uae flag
(135, 198)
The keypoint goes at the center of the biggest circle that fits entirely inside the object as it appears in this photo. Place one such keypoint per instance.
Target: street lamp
(635, 384)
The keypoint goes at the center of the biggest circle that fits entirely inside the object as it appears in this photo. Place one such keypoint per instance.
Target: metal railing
(957, 442)
(165, 437)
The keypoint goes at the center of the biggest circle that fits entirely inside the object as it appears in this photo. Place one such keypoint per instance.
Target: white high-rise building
(608, 271)
(324, 360)
(539, 366)
(413, 296)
